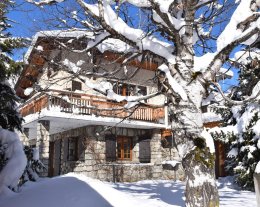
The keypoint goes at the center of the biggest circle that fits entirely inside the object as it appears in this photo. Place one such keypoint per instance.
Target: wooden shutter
(110, 148)
(81, 149)
(144, 150)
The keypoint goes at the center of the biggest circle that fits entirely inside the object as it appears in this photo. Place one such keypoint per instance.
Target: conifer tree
(244, 141)
(9, 117)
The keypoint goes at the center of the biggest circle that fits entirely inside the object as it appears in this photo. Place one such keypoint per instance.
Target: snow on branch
(106, 89)
(175, 86)
(234, 30)
(255, 94)
(44, 2)
(235, 33)
(119, 29)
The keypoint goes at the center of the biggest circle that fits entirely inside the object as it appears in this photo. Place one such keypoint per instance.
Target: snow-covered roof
(58, 34)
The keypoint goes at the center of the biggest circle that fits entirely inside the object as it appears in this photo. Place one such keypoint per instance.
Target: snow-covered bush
(34, 165)
(14, 158)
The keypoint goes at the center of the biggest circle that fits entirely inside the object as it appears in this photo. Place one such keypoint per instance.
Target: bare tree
(194, 39)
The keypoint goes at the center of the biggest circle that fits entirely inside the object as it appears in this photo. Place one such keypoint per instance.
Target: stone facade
(92, 161)
(55, 153)
(42, 143)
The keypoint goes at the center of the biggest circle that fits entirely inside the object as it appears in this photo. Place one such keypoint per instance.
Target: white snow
(41, 2)
(175, 86)
(210, 117)
(257, 169)
(232, 32)
(245, 57)
(209, 140)
(226, 72)
(39, 48)
(233, 152)
(173, 163)
(74, 67)
(136, 35)
(79, 191)
(255, 91)
(213, 97)
(13, 170)
(28, 91)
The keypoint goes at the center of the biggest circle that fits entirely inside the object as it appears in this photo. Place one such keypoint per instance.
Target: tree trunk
(197, 160)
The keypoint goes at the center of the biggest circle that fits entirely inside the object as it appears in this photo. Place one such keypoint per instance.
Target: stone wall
(42, 143)
(94, 164)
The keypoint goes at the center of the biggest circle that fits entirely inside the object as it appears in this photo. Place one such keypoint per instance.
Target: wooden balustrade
(91, 105)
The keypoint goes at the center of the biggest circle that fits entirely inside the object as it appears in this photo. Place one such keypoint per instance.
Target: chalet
(78, 129)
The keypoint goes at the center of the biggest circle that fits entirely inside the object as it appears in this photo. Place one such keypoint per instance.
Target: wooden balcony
(83, 104)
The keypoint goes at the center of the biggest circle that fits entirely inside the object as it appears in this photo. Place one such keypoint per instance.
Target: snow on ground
(79, 191)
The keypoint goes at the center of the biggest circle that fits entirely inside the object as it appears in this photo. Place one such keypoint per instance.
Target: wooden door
(51, 159)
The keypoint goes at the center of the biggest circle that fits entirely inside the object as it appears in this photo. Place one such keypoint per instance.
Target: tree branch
(250, 99)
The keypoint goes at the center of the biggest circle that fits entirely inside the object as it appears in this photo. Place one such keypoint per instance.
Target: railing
(91, 105)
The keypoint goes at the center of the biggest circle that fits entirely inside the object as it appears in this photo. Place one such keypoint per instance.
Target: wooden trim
(212, 124)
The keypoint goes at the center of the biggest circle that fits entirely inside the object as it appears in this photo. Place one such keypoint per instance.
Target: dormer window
(76, 85)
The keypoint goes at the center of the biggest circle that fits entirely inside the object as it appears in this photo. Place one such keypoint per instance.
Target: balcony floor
(60, 121)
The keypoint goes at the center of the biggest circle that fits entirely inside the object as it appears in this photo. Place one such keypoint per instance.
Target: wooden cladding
(92, 105)
(148, 65)
(212, 124)
(35, 106)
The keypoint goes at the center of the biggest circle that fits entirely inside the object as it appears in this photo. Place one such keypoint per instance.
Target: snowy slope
(80, 191)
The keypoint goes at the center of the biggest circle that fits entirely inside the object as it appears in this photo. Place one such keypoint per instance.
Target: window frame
(120, 140)
(75, 156)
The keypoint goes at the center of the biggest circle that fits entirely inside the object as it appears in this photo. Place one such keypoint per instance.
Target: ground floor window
(119, 148)
(76, 149)
(124, 148)
(73, 149)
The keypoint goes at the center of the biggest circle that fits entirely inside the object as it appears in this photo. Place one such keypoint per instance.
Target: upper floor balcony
(72, 110)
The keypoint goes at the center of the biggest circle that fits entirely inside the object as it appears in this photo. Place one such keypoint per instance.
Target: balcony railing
(91, 105)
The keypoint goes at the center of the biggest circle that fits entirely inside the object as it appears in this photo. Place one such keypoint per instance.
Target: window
(204, 109)
(119, 148)
(167, 142)
(129, 89)
(124, 148)
(73, 149)
(76, 86)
